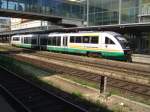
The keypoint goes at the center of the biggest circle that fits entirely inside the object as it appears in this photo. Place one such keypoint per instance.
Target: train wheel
(92, 54)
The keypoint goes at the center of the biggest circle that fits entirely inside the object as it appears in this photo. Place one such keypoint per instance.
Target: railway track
(107, 65)
(12, 101)
(34, 98)
(121, 84)
(139, 89)
(119, 67)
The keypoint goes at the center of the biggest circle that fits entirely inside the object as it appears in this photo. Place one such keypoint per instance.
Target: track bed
(33, 98)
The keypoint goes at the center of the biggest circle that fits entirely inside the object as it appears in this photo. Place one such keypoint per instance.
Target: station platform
(141, 58)
(4, 43)
(4, 105)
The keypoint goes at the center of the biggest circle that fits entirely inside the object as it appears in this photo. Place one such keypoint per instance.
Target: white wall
(17, 24)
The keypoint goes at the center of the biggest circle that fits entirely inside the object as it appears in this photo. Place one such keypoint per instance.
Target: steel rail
(75, 107)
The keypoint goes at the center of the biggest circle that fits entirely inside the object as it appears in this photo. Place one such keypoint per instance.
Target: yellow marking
(90, 34)
(90, 48)
(75, 46)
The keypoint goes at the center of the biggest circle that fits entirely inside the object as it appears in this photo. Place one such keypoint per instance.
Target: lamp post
(120, 3)
(87, 13)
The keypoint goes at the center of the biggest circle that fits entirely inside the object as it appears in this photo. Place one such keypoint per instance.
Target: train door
(43, 39)
(38, 41)
(65, 41)
(22, 40)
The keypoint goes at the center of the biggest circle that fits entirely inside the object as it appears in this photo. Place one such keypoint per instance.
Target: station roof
(29, 15)
(124, 28)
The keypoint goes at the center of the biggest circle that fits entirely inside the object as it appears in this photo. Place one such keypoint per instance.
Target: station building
(124, 12)
(109, 13)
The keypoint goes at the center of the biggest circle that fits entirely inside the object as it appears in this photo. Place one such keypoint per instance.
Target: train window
(33, 41)
(16, 38)
(94, 40)
(78, 39)
(86, 39)
(72, 39)
(58, 41)
(50, 41)
(43, 41)
(124, 43)
(54, 41)
(108, 41)
(27, 40)
(22, 40)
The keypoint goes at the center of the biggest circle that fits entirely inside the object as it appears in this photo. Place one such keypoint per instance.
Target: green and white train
(105, 44)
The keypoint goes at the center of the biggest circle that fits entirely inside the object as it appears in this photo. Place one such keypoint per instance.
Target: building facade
(59, 8)
(100, 12)
(4, 24)
(123, 12)
(95, 13)
(108, 12)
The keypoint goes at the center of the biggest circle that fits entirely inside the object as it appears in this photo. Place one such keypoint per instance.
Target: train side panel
(102, 43)
(29, 41)
(84, 43)
(106, 44)
(55, 43)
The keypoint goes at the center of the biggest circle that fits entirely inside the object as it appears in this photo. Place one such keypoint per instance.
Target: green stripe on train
(117, 55)
(66, 50)
(24, 45)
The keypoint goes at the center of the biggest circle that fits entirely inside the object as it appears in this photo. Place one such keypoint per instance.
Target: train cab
(115, 46)
(125, 46)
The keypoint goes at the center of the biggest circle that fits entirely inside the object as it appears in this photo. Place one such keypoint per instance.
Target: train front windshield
(124, 43)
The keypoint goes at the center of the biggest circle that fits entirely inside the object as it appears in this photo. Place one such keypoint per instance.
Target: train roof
(78, 33)
(112, 33)
(84, 33)
(25, 35)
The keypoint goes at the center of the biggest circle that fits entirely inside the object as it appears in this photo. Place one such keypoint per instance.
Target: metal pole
(87, 16)
(140, 10)
(7, 3)
(120, 3)
(84, 12)
(103, 84)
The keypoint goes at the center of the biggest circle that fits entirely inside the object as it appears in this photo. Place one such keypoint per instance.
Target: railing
(45, 7)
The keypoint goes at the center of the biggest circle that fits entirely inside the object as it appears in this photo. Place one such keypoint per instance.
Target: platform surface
(141, 58)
